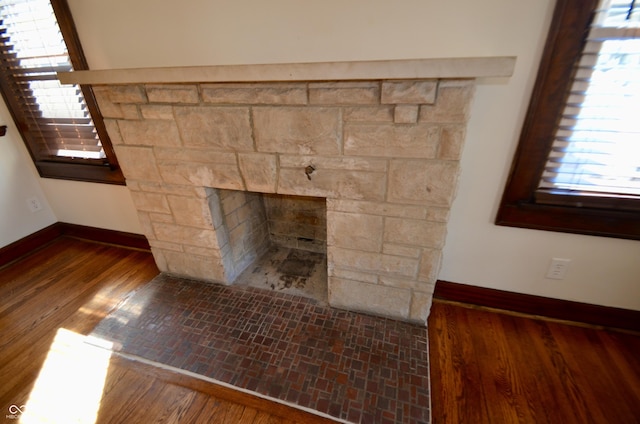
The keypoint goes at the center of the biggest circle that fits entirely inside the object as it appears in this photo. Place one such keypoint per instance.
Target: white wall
(148, 33)
(94, 205)
(18, 182)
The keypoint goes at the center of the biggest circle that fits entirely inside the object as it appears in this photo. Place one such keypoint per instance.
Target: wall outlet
(34, 204)
(558, 268)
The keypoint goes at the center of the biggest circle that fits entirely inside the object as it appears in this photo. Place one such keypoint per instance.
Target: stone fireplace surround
(385, 156)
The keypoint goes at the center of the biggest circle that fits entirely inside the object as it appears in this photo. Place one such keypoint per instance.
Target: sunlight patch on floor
(71, 381)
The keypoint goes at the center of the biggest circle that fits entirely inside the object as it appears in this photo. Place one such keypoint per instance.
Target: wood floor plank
(543, 395)
(450, 351)
(531, 370)
(500, 380)
(208, 411)
(596, 373)
(69, 286)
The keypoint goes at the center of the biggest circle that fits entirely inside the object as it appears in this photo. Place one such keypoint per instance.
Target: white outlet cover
(34, 204)
(558, 268)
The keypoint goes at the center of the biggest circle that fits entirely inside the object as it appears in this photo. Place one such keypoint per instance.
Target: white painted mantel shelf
(471, 67)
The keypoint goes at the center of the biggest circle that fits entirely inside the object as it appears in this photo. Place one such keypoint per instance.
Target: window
(60, 124)
(577, 166)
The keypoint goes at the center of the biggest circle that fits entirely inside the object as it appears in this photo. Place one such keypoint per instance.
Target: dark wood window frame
(519, 207)
(100, 171)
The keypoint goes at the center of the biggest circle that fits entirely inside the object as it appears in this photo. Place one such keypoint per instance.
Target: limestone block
(415, 232)
(125, 93)
(297, 130)
(152, 187)
(172, 93)
(150, 202)
(375, 299)
(451, 142)
(137, 163)
(401, 250)
(145, 223)
(156, 111)
(362, 276)
(368, 114)
(410, 141)
(185, 235)
(344, 92)
(225, 128)
(272, 93)
(426, 182)
(149, 132)
(332, 184)
(453, 104)
(439, 214)
(420, 307)
(377, 208)
(161, 217)
(130, 111)
(193, 266)
(108, 109)
(165, 245)
(114, 131)
(202, 251)
(190, 211)
(374, 262)
(409, 92)
(354, 231)
(158, 256)
(430, 263)
(401, 283)
(259, 171)
(334, 163)
(405, 114)
(218, 175)
(194, 155)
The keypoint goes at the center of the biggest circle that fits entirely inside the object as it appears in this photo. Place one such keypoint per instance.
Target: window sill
(575, 220)
(102, 174)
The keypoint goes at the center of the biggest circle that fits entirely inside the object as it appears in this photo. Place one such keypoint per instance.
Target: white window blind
(33, 51)
(596, 149)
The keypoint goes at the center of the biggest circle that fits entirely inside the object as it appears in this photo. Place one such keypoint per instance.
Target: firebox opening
(274, 242)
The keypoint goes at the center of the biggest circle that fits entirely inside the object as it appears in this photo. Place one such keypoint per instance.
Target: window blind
(54, 118)
(596, 149)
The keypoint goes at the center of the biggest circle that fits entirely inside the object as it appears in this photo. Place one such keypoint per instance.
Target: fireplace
(271, 241)
(381, 154)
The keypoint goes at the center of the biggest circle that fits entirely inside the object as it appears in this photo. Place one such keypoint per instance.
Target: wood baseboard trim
(29, 244)
(38, 239)
(101, 235)
(566, 310)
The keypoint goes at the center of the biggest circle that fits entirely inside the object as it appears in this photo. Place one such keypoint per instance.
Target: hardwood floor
(55, 297)
(489, 367)
(486, 367)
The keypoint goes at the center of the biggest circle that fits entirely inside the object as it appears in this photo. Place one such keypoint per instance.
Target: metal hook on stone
(309, 170)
